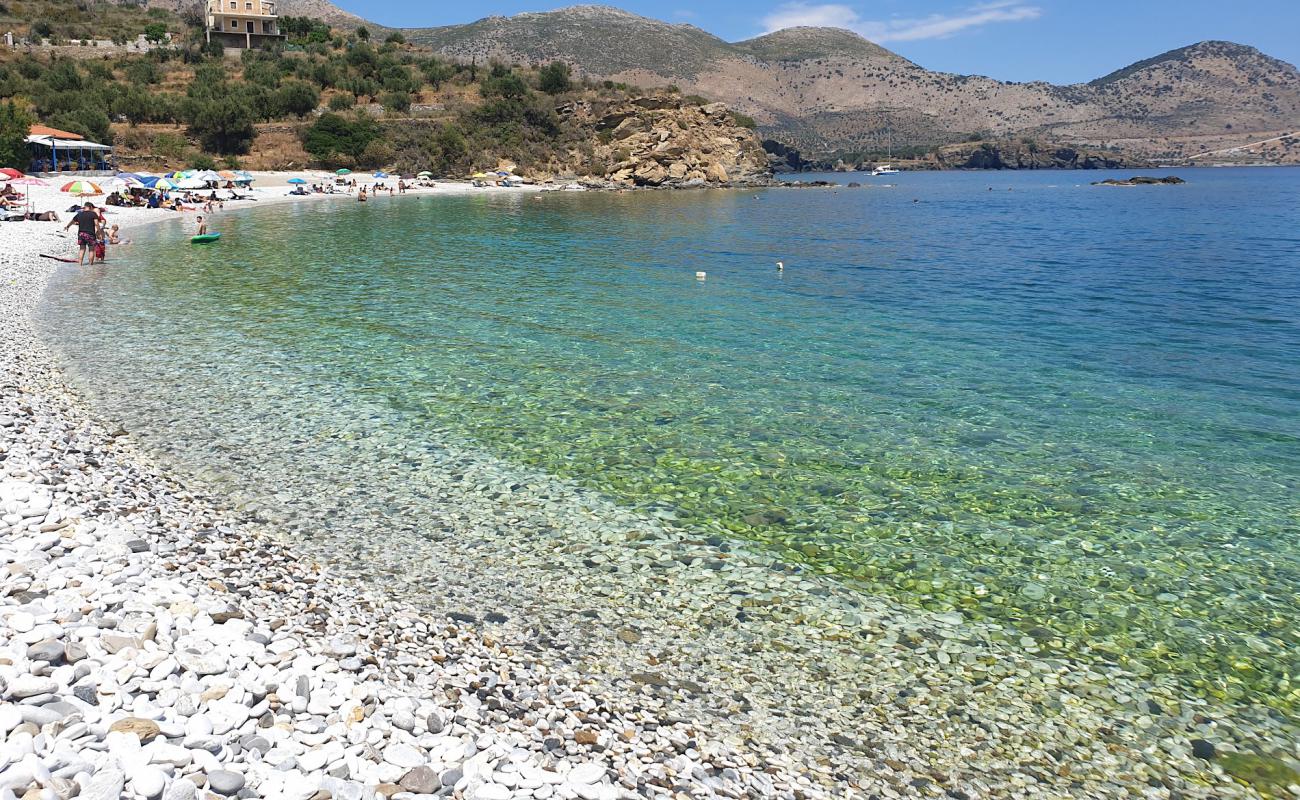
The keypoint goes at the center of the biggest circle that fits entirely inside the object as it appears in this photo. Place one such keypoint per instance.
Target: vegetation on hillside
(389, 104)
(61, 21)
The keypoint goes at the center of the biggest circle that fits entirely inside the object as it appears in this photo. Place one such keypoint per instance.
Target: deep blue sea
(1067, 409)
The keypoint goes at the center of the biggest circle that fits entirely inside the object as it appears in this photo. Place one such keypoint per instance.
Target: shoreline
(383, 638)
(170, 651)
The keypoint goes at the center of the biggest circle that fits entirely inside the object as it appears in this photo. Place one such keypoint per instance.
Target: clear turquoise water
(1071, 410)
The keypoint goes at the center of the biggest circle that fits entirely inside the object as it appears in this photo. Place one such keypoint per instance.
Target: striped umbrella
(82, 188)
(10, 172)
(164, 184)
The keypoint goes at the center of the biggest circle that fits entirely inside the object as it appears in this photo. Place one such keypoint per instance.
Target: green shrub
(336, 139)
(222, 119)
(15, 121)
(155, 32)
(342, 102)
(396, 101)
(142, 73)
(743, 120)
(298, 98)
(502, 82)
(169, 145)
(203, 161)
(555, 78)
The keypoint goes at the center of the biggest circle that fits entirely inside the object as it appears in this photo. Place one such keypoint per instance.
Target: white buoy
(780, 266)
(699, 276)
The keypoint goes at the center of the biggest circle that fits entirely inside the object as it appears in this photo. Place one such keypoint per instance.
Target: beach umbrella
(343, 171)
(380, 174)
(81, 188)
(28, 181)
(10, 172)
(425, 174)
(227, 174)
(296, 181)
(206, 175)
(121, 183)
(149, 181)
(243, 173)
(192, 183)
(164, 184)
(137, 177)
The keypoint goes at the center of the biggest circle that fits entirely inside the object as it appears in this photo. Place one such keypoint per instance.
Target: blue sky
(1063, 41)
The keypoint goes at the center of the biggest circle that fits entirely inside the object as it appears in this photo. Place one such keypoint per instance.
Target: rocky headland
(665, 141)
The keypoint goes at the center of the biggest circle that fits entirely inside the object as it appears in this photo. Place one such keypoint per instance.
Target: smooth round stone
(225, 782)
(50, 650)
(148, 781)
(586, 773)
(404, 755)
(31, 685)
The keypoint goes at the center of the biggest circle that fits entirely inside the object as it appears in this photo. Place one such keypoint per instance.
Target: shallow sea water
(1070, 413)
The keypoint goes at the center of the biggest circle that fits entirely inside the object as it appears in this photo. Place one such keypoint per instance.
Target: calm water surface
(1071, 410)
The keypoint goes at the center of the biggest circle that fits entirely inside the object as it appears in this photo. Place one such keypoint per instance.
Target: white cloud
(898, 29)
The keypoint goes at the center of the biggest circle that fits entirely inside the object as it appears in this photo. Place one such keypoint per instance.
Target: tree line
(220, 101)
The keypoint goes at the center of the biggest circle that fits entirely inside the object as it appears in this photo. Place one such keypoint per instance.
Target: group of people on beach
(94, 234)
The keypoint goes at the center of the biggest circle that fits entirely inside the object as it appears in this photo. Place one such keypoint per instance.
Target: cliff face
(663, 140)
(1026, 155)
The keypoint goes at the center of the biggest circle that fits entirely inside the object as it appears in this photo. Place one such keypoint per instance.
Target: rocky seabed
(153, 646)
(148, 649)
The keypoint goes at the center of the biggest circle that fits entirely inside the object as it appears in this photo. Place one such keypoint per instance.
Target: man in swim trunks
(87, 222)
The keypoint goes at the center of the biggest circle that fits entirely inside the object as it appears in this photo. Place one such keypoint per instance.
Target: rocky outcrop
(1142, 180)
(784, 158)
(1022, 154)
(662, 140)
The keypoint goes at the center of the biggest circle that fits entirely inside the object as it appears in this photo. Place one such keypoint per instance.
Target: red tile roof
(41, 130)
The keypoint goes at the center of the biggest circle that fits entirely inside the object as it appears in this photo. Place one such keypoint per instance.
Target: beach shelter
(344, 171)
(425, 174)
(192, 183)
(380, 174)
(53, 150)
(81, 188)
(296, 181)
(10, 172)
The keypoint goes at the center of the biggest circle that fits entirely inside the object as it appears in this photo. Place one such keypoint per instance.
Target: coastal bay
(505, 529)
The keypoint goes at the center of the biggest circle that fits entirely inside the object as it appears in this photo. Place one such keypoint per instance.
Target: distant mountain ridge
(829, 90)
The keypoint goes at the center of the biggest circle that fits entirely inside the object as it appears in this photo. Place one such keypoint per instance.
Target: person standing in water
(87, 222)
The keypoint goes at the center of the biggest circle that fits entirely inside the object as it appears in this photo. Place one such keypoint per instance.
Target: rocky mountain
(825, 90)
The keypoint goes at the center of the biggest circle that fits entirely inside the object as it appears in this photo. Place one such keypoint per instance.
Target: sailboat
(884, 169)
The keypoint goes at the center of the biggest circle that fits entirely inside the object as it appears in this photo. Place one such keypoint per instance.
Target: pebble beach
(155, 642)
